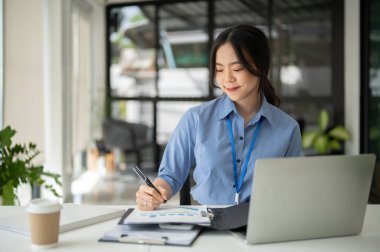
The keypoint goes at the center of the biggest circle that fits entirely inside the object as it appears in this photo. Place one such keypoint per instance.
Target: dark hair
(249, 43)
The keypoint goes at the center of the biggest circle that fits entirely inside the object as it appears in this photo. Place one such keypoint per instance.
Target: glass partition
(374, 78)
(183, 55)
(227, 13)
(133, 111)
(158, 54)
(169, 114)
(302, 66)
(132, 46)
(306, 67)
(373, 95)
(302, 53)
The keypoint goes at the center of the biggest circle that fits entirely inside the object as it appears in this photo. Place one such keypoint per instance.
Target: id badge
(236, 198)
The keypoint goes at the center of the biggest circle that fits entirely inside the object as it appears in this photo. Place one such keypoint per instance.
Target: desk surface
(85, 239)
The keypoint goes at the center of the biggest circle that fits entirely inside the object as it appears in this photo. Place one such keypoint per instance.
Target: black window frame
(336, 98)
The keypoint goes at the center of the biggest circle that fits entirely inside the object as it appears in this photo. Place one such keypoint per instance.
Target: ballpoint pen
(145, 178)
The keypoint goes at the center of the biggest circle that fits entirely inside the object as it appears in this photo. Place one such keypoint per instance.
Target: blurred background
(100, 85)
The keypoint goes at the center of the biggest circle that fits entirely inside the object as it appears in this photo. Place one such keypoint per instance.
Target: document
(170, 214)
(150, 234)
(174, 225)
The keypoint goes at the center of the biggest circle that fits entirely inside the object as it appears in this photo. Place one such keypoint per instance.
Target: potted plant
(16, 168)
(325, 140)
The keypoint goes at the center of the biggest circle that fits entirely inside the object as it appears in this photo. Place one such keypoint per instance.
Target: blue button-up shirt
(201, 140)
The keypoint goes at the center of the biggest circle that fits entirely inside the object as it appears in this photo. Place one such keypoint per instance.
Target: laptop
(308, 197)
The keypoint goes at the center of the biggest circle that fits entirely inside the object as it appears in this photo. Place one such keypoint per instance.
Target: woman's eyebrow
(230, 64)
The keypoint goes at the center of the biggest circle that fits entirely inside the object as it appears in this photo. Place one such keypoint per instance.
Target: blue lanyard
(244, 171)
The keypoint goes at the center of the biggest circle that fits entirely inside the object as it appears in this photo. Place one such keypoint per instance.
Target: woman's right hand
(148, 199)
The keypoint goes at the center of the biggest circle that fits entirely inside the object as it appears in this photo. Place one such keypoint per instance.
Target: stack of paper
(170, 214)
(169, 225)
(175, 225)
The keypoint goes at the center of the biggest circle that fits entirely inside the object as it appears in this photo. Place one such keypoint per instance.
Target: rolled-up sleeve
(178, 156)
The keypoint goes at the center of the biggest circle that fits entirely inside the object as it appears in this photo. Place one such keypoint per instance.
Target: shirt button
(238, 160)
(241, 138)
(233, 186)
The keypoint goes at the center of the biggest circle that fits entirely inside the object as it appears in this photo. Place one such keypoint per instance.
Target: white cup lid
(41, 206)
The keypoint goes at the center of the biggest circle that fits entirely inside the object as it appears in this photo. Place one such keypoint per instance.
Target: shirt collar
(228, 106)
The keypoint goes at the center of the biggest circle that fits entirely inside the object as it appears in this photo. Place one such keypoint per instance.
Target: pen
(145, 178)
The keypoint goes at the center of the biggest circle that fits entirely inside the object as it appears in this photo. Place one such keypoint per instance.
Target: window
(371, 88)
(158, 63)
(132, 54)
(158, 56)
(307, 58)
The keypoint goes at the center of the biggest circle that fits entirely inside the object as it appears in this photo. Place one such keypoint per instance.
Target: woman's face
(232, 77)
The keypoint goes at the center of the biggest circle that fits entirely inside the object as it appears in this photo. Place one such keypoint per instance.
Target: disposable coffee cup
(44, 222)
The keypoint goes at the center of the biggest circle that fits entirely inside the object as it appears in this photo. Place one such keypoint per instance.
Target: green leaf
(54, 176)
(32, 146)
(18, 149)
(51, 189)
(335, 145)
(340, 133)
(308, 138)
(6, 135)
(374, 133)
(9, 195)
(321, 144)
(323, 120)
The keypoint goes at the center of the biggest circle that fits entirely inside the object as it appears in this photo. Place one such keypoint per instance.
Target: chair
(129, 137)
(184, 193)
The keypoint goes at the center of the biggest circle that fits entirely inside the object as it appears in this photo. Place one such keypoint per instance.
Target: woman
(224, 137)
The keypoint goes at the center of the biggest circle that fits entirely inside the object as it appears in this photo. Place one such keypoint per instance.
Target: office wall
(23, 70)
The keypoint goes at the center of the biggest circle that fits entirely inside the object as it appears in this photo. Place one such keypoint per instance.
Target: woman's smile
(231, 89)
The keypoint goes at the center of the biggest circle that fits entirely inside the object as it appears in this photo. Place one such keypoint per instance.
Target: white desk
(85, 239)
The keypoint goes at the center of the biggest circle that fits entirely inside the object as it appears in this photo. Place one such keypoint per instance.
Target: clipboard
(151, 234)
(220, 219)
